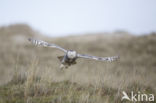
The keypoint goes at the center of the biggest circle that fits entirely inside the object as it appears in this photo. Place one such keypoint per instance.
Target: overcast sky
(64, 17)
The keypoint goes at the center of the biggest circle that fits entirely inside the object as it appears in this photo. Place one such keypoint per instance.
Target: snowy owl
(70, 56)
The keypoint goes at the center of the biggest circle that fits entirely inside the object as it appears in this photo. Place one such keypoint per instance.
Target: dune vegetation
(30, 74)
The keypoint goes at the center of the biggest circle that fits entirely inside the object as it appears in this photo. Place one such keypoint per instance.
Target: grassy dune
(31, 74)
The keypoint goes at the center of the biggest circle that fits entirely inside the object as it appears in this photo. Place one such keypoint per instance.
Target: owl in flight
(70, 56)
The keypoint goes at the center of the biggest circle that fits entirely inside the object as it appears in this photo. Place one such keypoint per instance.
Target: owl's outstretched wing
(45, 44)
(110, 59)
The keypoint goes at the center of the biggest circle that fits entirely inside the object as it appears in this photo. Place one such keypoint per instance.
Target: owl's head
(71, 54)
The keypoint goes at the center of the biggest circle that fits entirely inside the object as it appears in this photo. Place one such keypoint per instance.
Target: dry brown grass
(31, 74)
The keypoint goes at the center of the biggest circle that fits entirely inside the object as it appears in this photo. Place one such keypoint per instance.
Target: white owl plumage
(70, 55)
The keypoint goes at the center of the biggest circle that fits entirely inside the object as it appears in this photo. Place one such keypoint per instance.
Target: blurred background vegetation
(31, 74)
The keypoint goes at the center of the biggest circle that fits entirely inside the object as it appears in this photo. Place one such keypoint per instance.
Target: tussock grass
(31, 74)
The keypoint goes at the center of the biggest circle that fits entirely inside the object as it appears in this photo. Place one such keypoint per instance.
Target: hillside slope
(25, 65)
